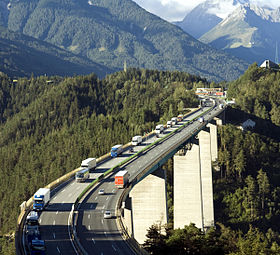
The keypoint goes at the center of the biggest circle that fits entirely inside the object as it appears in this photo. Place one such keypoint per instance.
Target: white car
(107, 214)
(101, 192)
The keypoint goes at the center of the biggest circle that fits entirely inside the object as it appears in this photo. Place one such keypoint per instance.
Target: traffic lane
(157, 151)
(54, 219)
(54, 230)
(91, 231)
(96, 232)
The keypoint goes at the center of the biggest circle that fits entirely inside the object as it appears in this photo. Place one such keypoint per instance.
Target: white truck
(159, 129)
(136, 140)
(174, 120)
(41, 199)
(89, 163)
(169, 124)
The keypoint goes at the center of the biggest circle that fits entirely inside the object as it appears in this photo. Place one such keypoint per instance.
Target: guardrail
(134, 244)
(27, 205)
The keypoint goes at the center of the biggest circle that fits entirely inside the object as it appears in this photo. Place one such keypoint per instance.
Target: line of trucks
(42, 197)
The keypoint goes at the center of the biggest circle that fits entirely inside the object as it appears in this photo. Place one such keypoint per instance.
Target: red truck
(121, 179)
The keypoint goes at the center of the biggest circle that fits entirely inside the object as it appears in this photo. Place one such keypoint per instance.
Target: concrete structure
(187, 189)
(214, 141)
(193, 188)
(206, 178)
(149, 204)
(269, 64)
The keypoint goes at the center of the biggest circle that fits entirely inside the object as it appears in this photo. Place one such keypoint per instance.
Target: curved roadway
(96, 234)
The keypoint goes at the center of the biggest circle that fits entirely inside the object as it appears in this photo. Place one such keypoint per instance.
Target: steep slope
(112, 32)
(22, 55)
(250, 32)
(207, 15)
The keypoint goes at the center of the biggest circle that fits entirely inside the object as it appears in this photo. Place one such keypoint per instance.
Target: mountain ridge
(23, 55)
(112, 32)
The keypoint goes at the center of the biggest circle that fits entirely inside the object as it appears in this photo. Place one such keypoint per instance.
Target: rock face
(250, 32)
(239, 27)
(207, 15)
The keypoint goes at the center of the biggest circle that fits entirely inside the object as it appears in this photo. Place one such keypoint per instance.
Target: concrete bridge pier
(193, 188)
(148, 205)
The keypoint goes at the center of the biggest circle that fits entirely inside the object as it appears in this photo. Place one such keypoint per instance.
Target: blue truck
(116, 150)
(41, 199)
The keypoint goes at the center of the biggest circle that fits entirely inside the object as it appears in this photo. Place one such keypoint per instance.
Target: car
(101, 192)
(107, 214)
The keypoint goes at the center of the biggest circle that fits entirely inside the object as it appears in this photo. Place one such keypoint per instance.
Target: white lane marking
(102, 221)
(107, 198)
(114, 248)
(113, 190)
(58, 250)
(53, 235)
(103, 207)
(88, 216)
(72, 184)
(54, 222)
(62, 190)
(70, 195)
(93, 240)
(88, 227)
(96, 198)
(56, 212)
(69, 234)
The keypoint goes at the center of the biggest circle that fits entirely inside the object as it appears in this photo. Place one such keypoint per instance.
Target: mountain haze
(111, 32)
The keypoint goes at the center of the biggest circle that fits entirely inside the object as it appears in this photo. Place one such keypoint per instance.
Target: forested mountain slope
(111, 32)
(246, 187)
(22, 55)
(76, 118)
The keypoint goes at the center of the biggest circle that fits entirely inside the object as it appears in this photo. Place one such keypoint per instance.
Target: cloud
(175, 10)
(171, 10)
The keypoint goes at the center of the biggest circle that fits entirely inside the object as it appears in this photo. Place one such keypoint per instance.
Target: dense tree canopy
(77, 118)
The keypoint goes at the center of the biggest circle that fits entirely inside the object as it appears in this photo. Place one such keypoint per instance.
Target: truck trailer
(89, 163)
(159, 129)
(174, 120)
(136, 140)
(116, 150)
(169, 124)
(41, 199)
(121, 179)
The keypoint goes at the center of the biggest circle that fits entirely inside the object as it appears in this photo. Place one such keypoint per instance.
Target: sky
(176, 10)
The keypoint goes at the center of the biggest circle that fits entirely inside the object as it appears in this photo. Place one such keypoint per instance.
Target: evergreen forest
(83, 116)
(246, 187)
(49, 124)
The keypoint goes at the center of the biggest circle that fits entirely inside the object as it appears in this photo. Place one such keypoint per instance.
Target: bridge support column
(149, 204)
(206, 178)
(187, 189)
(193, 188)
(214, 141)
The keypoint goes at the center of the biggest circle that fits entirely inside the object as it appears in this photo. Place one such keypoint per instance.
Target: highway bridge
(69, 227)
